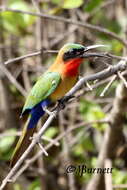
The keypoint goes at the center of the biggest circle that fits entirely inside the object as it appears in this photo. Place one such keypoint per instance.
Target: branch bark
(100, 75)
(113, 136)
(70, 21)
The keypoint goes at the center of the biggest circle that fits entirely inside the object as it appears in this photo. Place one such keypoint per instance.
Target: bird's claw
(61, 104)
(49, 112)
(62, 101)
(53, 113)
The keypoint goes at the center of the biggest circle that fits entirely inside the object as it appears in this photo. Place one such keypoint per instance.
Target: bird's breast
(65, 85)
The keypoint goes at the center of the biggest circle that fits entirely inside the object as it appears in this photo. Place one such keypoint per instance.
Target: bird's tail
(23, 142)
(30, 126)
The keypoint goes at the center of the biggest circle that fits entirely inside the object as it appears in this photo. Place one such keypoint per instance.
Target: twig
(29, 55)
(113, 135)
(63, 35)
(54, 52)
(8, 134)
(50, 140)
(94, 86)
(20, 161)
(42, 148)
(115, 56)
(108, 85)
(32, 160)
(89, 86)
(120, 186)
(108, 176)
(13, 80)
(35, 3)
(122, 78)
(100, 75)
(65, 20)
(66, 152)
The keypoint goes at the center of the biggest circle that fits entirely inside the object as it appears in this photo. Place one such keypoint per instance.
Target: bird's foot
(62, 101)
(61, 104)
(46, 110)
(49, 112)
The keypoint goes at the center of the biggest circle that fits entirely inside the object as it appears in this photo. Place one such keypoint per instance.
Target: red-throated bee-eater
(51, 86)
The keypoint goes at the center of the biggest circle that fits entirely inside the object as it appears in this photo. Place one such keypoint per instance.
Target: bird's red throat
(72, 67)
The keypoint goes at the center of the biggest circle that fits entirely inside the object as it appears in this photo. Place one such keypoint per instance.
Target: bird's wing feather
(46, 85)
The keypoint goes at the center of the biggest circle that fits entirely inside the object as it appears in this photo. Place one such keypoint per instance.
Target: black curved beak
(87, 54)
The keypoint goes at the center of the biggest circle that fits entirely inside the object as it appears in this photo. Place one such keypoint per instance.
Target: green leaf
(17, 22)
(116, 46)
(87, 144)
(92, 4)
(78, 150)
(51, 132)
(71, 4)
(7, 141)
(27, 19)
(94, 162)
(91, 112)
(35, 185)
(119, 177)
(17, 186)
(56, 1)
(68, 4)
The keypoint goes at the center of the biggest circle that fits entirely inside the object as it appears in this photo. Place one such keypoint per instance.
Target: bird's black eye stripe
(72, 53)
(76, 51)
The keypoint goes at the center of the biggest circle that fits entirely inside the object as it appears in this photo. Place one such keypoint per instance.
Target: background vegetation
(97, 144)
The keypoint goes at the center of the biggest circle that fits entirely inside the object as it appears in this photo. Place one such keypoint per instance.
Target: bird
(51, 86)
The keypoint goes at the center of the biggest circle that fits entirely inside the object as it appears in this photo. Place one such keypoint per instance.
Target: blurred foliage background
(21, 34)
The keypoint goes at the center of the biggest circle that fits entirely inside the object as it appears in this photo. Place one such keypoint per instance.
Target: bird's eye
(73, 51)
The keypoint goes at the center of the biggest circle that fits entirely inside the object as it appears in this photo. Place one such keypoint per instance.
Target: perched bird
(50, 87)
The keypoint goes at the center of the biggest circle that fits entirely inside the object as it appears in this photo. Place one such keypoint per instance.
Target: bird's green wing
(45, 86)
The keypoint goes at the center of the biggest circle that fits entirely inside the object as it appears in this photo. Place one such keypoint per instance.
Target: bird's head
(71, 56)
(71, 51)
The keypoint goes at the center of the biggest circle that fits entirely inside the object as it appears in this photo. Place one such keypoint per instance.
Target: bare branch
(89, 86)
(42, 148)
(108, 176)
(116, 56)
(70, 21)
(113, 135)
(122, 78)
(101, 75)
(97, 76)
(13, 80)
(34, 141)
(29, 55)
(120, 186)
(59, 137)
(108, 85)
